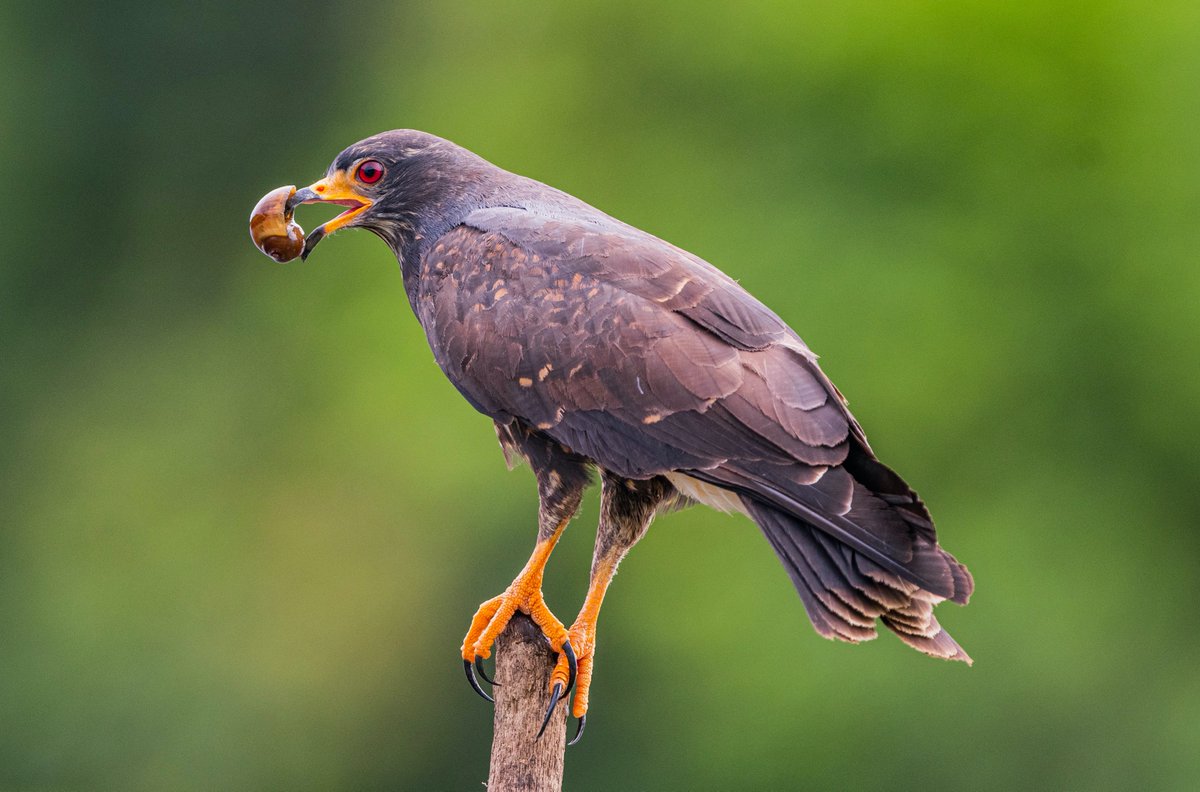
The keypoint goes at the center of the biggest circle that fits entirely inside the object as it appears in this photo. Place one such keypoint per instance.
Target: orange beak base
(335, 189)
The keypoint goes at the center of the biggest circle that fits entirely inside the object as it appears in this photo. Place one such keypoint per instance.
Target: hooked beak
(334, 189)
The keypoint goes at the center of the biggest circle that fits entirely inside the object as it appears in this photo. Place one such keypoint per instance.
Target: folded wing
(650, 361)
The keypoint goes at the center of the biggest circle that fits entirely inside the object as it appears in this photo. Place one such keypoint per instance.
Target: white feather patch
(710, 495)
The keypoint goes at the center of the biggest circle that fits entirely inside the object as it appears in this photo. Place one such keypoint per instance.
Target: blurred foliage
(246, 520)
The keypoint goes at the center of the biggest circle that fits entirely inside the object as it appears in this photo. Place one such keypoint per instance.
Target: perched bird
(595, 346)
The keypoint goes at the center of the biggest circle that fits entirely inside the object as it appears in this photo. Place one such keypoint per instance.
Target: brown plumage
(592, 343)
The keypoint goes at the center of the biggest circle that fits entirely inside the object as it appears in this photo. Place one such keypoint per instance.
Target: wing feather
(649, 360)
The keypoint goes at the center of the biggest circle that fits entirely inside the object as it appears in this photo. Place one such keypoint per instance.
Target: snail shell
(272, 228)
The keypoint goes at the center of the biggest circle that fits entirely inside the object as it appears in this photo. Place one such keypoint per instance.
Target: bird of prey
(597, 348)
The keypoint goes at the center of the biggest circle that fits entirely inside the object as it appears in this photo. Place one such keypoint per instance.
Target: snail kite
(595, 346)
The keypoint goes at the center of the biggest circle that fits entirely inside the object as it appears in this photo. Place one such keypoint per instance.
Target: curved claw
(483, 674)
(555, 695)
(572, 665)
(475, 683)
(578, 730)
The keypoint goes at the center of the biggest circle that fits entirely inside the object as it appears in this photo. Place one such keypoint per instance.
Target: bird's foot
(524, 595)
(582, 638)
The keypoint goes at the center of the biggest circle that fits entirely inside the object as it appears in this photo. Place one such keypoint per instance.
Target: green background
(244, 520)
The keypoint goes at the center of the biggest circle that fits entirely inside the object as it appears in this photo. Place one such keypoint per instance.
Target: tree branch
(520, 761)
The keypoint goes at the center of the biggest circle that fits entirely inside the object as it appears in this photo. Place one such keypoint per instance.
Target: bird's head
(391, 182)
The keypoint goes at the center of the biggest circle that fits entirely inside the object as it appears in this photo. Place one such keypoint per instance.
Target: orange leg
(523, 594)
(562, 477)
(583, 635)
(626, 509)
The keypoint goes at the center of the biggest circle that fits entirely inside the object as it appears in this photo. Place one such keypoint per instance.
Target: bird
(599, 350)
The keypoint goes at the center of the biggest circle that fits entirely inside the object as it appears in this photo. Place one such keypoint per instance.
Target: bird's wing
(648, 360)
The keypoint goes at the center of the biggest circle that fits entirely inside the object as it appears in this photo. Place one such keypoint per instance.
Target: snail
(272, 228)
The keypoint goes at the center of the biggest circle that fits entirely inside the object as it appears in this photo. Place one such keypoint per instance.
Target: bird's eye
(369, 172)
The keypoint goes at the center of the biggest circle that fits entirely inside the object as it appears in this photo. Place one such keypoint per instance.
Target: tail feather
(886, 528)
(833, 577)
(939, 644)
(830, 617)
(811, 606)
(844, 592)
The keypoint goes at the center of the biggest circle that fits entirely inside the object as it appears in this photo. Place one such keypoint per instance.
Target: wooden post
(520, 761)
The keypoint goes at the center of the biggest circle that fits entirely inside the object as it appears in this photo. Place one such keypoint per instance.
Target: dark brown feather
(647, 360)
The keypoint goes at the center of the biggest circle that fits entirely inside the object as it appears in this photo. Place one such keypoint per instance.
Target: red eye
(370, 171)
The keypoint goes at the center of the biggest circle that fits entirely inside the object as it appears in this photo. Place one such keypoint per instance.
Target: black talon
(482, 673)
(474, 682)
(555, 695)
(578, 730)
(572, 666)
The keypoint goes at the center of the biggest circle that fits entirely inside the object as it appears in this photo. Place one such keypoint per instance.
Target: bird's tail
(844, 592)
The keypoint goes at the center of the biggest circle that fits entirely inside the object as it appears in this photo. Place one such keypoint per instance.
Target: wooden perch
(520, 761)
